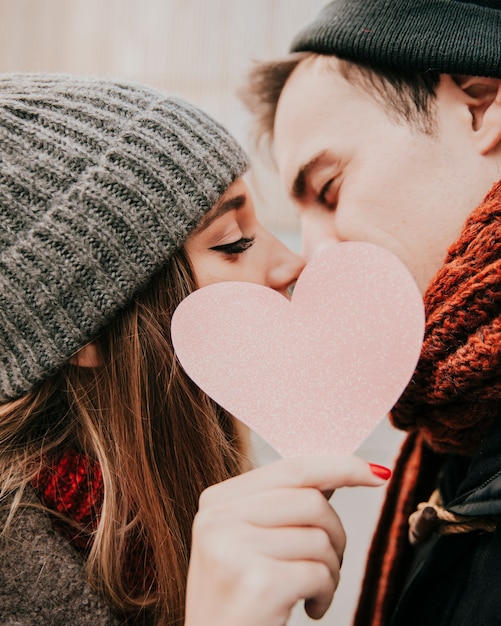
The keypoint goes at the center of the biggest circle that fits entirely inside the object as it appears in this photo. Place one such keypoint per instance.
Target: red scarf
(73, 486)
(453, 398)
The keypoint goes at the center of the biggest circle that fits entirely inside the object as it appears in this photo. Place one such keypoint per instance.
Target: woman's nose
(285, 269)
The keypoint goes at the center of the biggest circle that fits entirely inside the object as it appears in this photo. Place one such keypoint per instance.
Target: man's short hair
(405, 96)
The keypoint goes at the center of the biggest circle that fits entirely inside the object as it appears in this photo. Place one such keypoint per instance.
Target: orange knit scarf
(453, 398)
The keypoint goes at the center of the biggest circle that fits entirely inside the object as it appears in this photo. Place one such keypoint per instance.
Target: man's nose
(317, 233)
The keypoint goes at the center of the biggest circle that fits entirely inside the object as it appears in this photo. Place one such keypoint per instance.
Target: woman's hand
(268, 538)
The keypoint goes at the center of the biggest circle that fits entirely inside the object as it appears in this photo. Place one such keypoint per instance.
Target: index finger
(323, 472)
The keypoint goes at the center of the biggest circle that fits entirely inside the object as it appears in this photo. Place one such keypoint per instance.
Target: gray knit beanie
(100, 182)
(450, 36)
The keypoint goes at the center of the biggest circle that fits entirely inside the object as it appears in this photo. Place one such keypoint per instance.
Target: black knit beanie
(100, 182)
(450, 36)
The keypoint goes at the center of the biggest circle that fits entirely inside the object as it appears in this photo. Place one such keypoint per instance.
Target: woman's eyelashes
(235, 247)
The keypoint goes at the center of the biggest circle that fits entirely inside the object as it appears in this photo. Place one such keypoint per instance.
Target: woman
(117, 201)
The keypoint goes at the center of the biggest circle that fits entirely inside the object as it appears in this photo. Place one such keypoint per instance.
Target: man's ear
(483, 96)
(88, 356)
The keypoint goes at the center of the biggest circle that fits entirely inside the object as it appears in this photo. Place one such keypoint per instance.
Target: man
(385, 124)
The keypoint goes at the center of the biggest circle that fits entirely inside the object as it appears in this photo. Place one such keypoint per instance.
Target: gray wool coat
(42, 579)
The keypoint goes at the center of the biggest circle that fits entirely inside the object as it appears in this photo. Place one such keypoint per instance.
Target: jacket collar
(480, 491)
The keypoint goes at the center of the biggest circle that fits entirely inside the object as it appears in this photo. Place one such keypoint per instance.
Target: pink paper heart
(318, 373)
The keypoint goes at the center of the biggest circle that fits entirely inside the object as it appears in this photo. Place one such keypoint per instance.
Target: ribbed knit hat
(451, 36)
(100, 182)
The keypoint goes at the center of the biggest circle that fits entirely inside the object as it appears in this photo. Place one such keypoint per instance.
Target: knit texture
(100, 182)
(73, 486)
(450, 36)
(451, 401)
(42, 576)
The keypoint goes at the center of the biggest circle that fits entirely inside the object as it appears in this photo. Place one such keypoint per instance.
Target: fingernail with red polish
(380, 471)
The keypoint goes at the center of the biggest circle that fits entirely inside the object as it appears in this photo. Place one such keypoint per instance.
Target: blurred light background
(199, 50)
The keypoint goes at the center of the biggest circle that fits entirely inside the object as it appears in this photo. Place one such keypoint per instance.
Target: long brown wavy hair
(158, 440)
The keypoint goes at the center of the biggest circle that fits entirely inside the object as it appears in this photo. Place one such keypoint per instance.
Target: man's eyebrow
(298, 189)
(221, 208)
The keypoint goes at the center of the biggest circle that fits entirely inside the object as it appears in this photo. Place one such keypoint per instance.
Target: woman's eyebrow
(221, 208)
(298, 188)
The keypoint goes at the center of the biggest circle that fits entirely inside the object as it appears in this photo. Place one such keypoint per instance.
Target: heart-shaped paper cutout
(315, 374)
